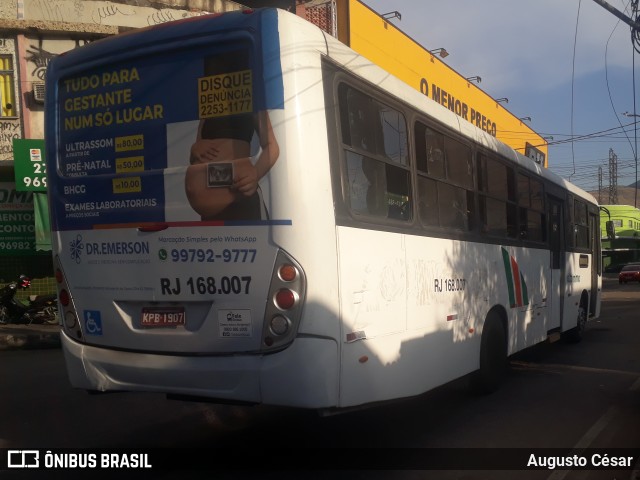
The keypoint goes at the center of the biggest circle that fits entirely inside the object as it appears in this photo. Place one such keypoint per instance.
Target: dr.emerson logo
(78, 248)
(75, 248)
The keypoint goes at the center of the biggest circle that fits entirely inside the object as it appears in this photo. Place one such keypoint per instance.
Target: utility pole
(613, 178)
(635, 41)
(600, 185)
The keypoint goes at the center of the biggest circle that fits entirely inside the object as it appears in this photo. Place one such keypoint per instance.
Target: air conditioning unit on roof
(38, 92)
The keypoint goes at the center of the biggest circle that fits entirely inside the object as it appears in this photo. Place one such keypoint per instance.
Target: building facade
(620, 232)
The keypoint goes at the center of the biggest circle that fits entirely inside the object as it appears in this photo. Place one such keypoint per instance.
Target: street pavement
(16, 336)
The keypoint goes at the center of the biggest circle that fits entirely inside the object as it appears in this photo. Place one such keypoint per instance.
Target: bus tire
(493, 357)
(576, 334)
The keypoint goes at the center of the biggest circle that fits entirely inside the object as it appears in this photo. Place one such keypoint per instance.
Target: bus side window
(375, 174)
(459, 163)
(360, 128)
(394, 135)
(428, 201)
(398, 193)
(581, 225)
(530, 207)
(429, 151)
(378, 188)
(445, 199)
(453, 207)
(377, 156)
(498, 209)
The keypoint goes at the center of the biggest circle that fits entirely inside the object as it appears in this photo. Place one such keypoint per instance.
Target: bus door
(555, 213)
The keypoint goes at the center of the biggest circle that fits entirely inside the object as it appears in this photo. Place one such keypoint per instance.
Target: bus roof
(157, 36)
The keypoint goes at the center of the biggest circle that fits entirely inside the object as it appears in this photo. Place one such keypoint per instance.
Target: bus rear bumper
(291, 377)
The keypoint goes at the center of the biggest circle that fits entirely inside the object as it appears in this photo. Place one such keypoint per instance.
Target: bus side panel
(449, 287)
(396, 306)
(527, 284)
(373, 281)
(304, 375)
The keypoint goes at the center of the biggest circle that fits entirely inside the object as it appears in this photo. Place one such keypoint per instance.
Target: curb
(29, 337)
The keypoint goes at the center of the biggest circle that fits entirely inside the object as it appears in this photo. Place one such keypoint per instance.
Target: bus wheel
(575, 334)
(493, 357)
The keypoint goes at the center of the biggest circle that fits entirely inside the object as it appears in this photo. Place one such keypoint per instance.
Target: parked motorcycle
(40, 309)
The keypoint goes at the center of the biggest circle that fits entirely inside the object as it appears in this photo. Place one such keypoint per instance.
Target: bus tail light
(63, 296)
(66, 305)
(285, 299)
(287, 273)
(284, 309)
(279, 325)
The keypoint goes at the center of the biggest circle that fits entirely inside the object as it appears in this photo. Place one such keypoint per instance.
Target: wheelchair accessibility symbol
(92, 322)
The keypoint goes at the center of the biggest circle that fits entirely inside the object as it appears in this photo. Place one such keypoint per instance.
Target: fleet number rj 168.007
(449, 284)
(206, 285)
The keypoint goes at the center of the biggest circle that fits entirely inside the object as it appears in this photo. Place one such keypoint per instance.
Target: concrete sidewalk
(15, 336)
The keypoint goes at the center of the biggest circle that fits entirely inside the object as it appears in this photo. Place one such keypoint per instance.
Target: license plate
(163, 317)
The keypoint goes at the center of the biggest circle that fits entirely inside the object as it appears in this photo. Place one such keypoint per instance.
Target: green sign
(17, 225)
(30, 166)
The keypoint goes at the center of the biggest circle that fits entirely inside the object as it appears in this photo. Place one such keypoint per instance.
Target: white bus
(246, 210)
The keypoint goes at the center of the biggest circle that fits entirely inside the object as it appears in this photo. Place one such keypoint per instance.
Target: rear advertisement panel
(178, 136)
(160, 201)
(127, 140)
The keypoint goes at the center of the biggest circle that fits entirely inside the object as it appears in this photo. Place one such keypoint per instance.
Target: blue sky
(524, 50)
